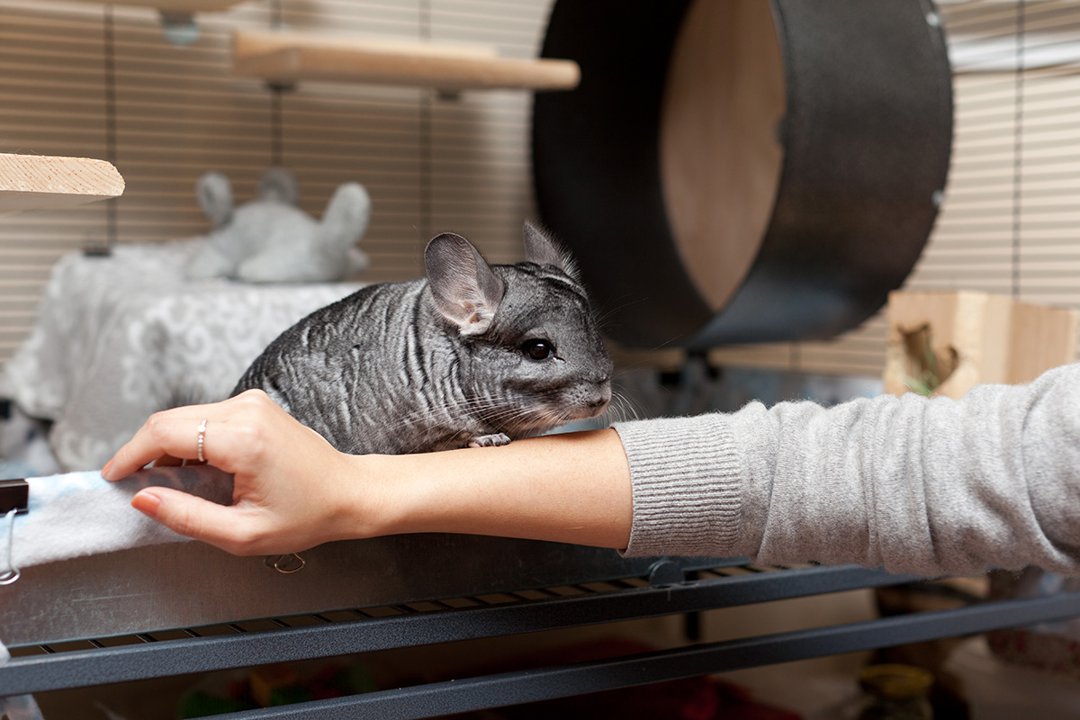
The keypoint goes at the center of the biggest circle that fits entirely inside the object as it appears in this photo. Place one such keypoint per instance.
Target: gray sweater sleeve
(913, 485)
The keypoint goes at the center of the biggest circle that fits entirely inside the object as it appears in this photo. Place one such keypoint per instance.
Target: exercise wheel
(743, 171)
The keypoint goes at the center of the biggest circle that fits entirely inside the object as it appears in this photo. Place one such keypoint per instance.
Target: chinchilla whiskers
(538, 420)
(622, 407)
(601, 319)
(614, 411)
(452, 406)
(555, 419)
(553, 399)
(511, 418)
(507, 415)
(528, 419)
(507, 419)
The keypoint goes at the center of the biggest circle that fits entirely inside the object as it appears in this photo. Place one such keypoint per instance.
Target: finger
(195, 517)
(168, 461)
(173, 433)
(153, 440)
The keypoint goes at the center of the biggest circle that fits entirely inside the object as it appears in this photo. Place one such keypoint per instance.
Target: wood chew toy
(41, 182)
(945, 343)
(291, 56)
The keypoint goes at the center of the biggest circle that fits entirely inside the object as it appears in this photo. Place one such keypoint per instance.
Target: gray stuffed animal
(271, 240)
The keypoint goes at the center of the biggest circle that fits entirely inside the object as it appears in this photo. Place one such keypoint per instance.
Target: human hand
(291, 490)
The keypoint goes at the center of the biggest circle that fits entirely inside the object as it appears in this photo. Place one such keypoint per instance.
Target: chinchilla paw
(490, 440)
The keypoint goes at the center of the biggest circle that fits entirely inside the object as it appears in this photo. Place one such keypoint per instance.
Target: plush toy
(271, 240)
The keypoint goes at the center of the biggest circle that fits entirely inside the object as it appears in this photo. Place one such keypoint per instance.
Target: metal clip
(286, 564)
(11, 574)
(14, 500)
(14, 495)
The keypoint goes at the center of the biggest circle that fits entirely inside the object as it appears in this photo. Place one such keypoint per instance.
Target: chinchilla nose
(600, 397)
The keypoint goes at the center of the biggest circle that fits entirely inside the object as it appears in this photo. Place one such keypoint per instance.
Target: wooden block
(291, 56)
(34, 182)
(967, 338)
(1042, 338)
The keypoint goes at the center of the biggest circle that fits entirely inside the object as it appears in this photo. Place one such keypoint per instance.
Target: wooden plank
(34, 182)
(176, 6)
(290, 56)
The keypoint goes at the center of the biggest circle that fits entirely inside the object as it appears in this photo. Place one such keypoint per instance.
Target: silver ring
(200, 440)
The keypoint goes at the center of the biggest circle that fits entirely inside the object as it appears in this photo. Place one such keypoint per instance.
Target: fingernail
(105, 470)
(145, 501)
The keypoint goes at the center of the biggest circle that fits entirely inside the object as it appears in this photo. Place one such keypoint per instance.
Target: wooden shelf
(37, 182)
(291, 56)
(177, 6)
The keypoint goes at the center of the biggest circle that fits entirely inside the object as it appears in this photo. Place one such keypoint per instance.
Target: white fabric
(78, 514)
(120, 337)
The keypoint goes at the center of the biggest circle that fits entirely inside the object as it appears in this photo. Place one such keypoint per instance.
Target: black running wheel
(742, 171)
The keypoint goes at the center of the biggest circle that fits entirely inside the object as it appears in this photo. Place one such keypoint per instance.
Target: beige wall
(428, 163)
(433, 164)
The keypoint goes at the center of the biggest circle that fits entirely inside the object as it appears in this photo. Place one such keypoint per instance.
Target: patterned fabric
(120, 337)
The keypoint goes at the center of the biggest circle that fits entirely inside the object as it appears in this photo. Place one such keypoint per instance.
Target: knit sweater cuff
(686, 479)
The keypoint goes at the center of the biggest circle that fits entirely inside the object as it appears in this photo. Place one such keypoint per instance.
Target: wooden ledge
(292, 56)
(37, 182)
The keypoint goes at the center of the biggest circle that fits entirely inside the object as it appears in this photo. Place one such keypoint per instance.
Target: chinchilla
(473, 354)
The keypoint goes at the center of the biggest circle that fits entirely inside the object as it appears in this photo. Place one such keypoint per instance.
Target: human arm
(928, 487)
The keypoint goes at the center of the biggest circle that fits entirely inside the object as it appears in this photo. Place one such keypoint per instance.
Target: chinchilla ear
(466, 290)
(542, 250)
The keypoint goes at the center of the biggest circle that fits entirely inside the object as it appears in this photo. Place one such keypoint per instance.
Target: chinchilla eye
(537, 349)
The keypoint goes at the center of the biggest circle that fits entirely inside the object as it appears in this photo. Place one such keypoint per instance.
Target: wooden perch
(176, 6)
(290, 56)
(34, 182)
